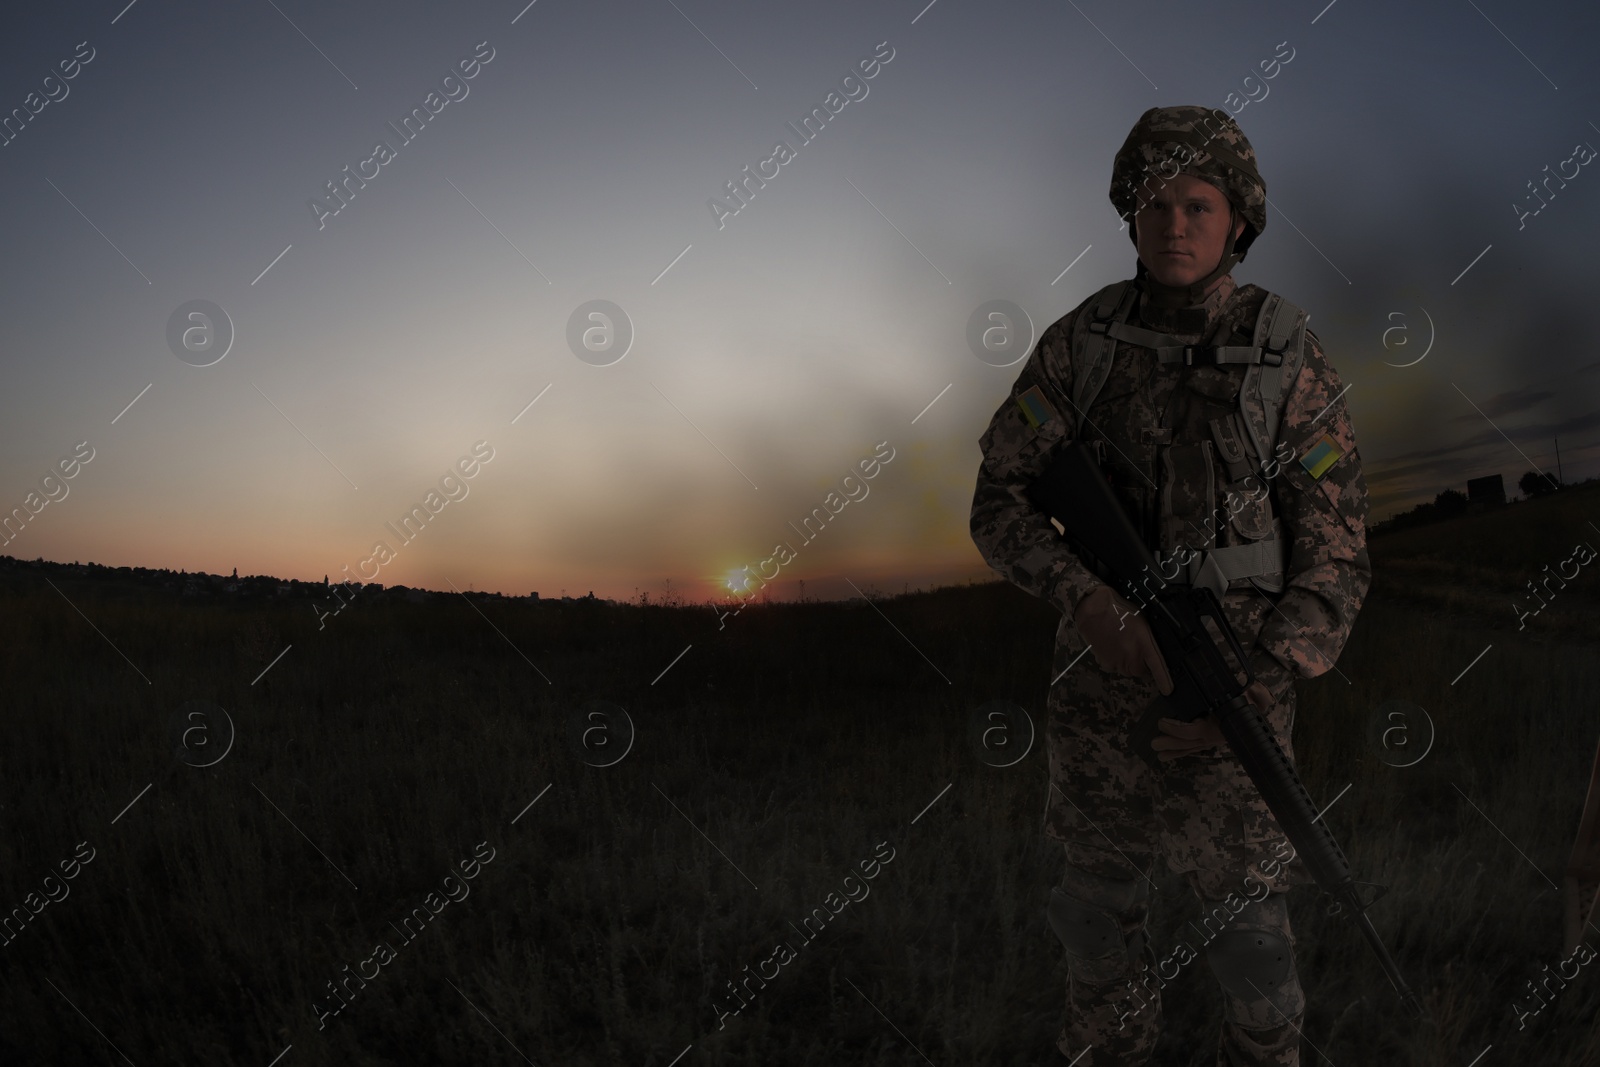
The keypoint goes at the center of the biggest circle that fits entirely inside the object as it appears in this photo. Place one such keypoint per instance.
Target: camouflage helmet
(1201, 141)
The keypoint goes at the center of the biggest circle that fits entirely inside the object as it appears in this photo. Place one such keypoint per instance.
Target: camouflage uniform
(1111, 802)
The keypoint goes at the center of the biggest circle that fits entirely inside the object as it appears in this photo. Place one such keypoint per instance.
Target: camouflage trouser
(1116, 811)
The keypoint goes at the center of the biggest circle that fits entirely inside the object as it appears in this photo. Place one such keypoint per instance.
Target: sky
(743, 364)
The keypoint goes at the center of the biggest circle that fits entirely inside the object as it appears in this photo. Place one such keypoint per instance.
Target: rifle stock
(1074, 492)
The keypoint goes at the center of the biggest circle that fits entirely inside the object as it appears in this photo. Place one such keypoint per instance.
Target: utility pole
(1559, 478)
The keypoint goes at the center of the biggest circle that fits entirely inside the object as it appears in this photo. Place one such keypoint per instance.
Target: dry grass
(403, 735)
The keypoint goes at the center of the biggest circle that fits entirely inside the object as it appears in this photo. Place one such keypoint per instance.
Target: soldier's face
(1180, 229)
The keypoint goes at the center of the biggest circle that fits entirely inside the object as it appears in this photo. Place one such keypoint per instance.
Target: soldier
(1220, 425)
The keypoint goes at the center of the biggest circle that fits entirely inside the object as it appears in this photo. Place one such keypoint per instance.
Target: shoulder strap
(1093, 345)
(1280, 338)
(1274, 357)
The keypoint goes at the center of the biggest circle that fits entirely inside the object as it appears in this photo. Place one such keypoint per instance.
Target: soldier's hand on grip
(1121, 640)
(1181, 738)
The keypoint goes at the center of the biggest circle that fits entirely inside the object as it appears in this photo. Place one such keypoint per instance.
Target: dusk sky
(772, 350)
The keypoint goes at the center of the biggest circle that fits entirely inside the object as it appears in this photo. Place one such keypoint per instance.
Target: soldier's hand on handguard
(1179, 738)
(1121, 640)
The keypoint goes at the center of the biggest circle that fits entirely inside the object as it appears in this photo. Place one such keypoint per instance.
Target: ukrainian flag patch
(1035, 407)
(1322, 455)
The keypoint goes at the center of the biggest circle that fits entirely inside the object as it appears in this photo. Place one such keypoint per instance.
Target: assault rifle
(1074, 492)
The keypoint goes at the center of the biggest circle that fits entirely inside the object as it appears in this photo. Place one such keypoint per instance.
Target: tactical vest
(1274, 358)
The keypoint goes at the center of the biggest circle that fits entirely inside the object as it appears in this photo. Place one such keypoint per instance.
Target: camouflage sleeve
(1017, 541)
(1322, 499)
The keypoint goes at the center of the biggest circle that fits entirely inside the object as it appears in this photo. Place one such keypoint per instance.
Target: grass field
(772, 758)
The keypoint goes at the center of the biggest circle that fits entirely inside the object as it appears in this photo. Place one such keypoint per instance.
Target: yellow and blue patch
(1321, 456)
(1035, 407)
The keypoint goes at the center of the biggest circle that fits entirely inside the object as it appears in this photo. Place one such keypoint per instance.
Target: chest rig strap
(1265, 562)
(1220, 567)
(1170, 349)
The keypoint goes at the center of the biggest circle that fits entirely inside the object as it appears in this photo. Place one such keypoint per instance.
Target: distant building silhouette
(1486, 492)
(1482, 494)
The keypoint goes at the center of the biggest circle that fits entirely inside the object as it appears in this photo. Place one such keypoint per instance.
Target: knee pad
(1251, 957)
(1087, 917)
(1085, 929)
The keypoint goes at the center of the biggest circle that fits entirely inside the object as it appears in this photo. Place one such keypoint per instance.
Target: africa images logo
(455, 90)
(784, 553)
(740, 193)
(785, 953)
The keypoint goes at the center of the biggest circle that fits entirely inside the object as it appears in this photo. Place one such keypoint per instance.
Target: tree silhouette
(1535, 484)
(1450, 502)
